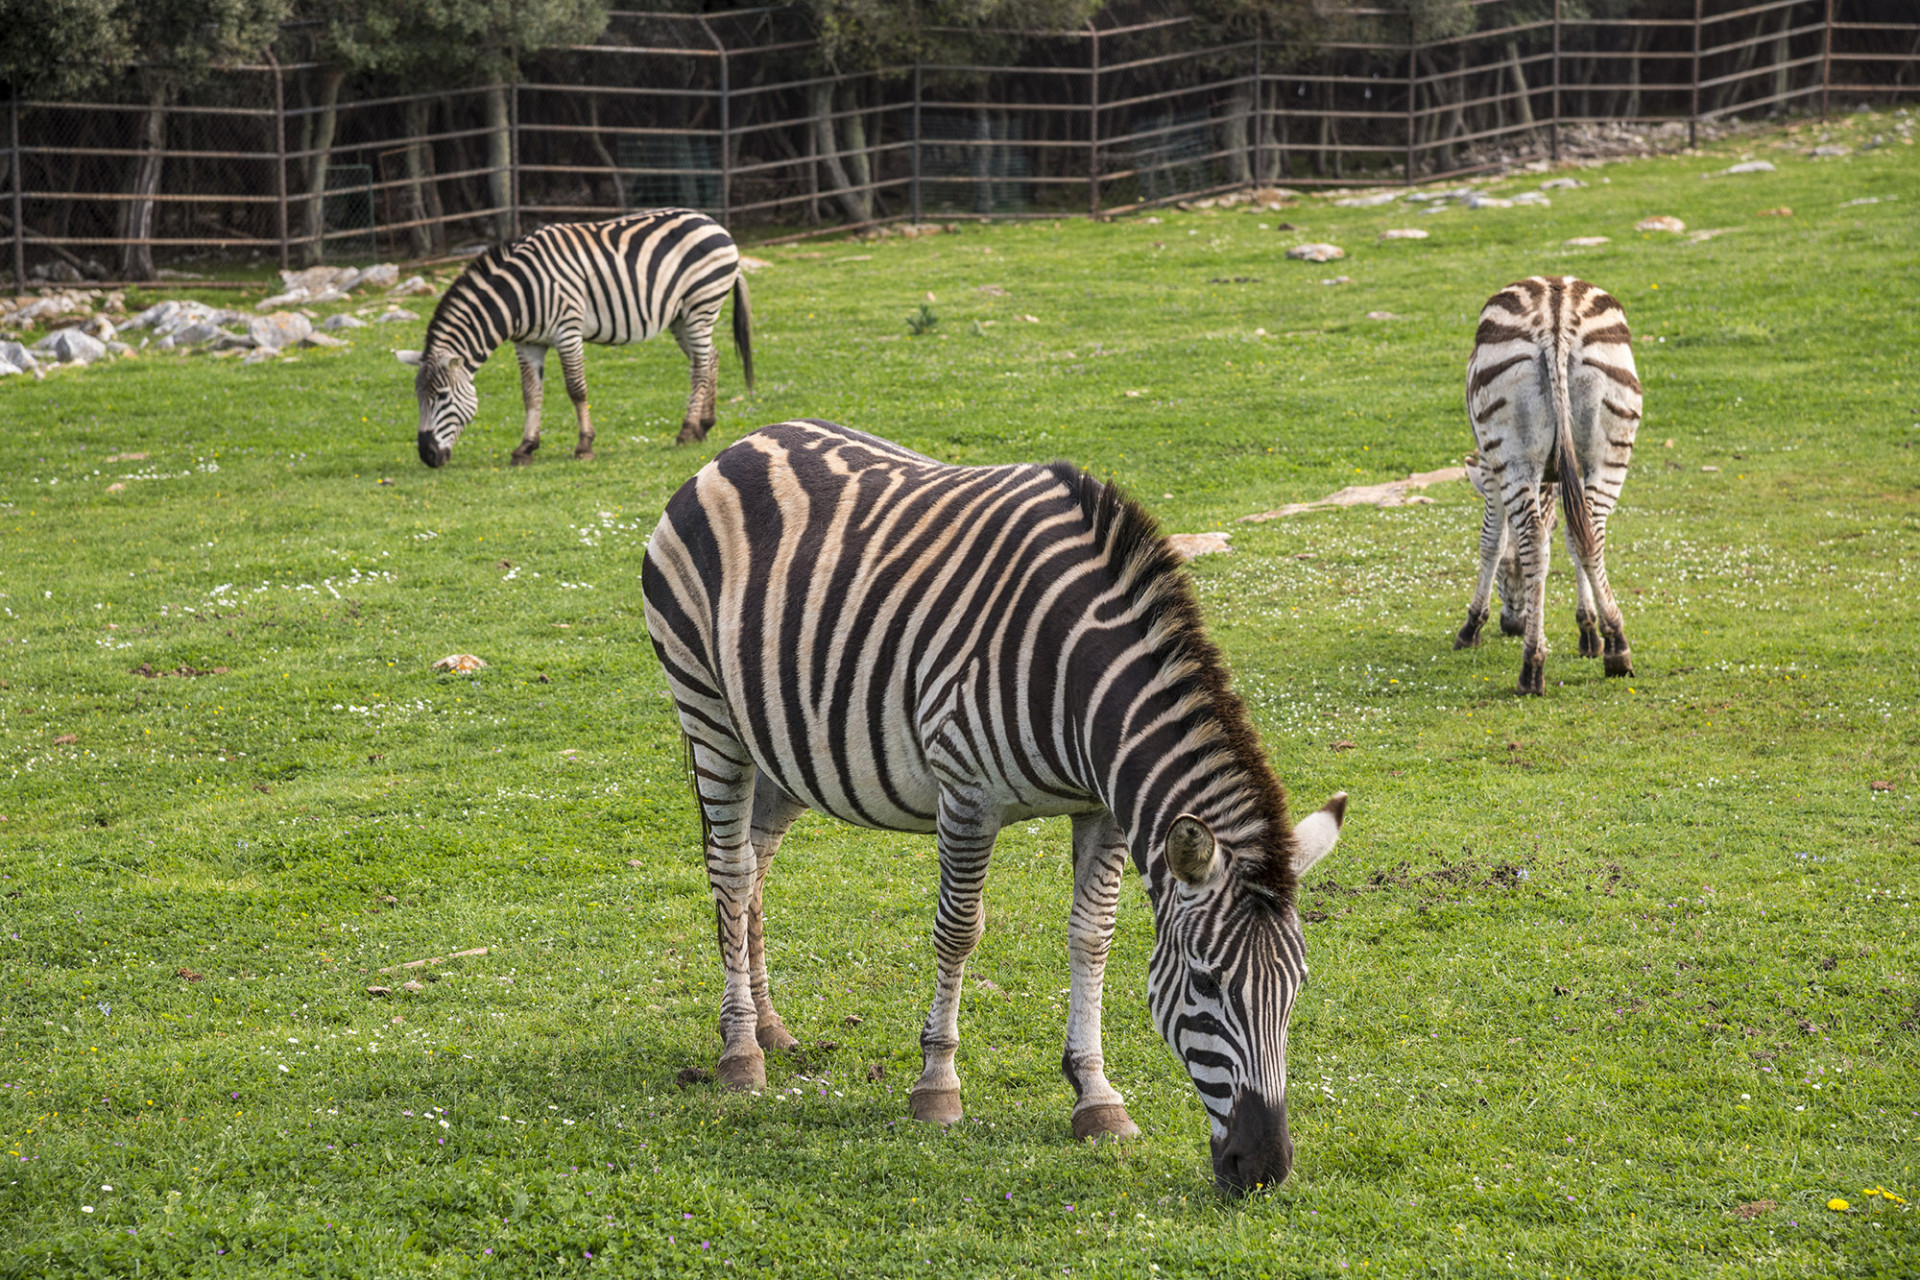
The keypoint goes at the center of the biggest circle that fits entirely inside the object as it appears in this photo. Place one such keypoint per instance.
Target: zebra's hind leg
(1099, 858)
(573, 363)
(773, 812)
(967, 828)
(1613, 627)
(1584, 615)
(1493, 542)
(724, 774)
(533, 377)
(1528, 513)
(694, 333)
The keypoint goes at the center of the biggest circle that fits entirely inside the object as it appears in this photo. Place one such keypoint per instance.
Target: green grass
(1591, 972)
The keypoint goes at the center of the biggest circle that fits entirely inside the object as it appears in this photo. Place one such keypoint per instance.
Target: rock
(1339, 280)
(72, 345)
(412, 286)
(152, 315)
(1782, 212)
(1831, 151)
(1587, 242)
(398, 313)
(18, 356)
(168, 273)
(1745, 166)
(1480, 200)
(1381, 315)
(333, 324)
(322, 340)
(459, 663)
(7, 368)
(1189, 545)
(752, 265)
(1316, 252)
(259, 355)
(1372, 201)
(1394, 493)
(383, 275)
(119, 350)
(1660, 222)
(1848, 204)
(377, 992)
(1561, 184)
(314, 279)
(288, 298)
(413, 986)
(1532, 198)
(281, 329)
(1404, 233)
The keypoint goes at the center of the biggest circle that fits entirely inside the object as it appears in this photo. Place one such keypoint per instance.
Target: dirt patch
(1394, 493)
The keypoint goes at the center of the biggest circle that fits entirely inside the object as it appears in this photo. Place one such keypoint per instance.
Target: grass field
(1620, 981)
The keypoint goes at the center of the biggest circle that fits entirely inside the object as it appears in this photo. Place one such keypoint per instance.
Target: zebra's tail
(743, 326)
(1573, 488)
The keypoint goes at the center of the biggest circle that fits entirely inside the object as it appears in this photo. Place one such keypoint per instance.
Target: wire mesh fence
(732, 113)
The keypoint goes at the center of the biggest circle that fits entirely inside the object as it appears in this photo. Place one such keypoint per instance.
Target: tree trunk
(859, 163)
(1523, 103)
(1633, 75)
(422, 193)
(136, 260)
(837, 184)
(1780, 74)
(618, 197)
(499, 163)
(1234, 129)
(325, 120)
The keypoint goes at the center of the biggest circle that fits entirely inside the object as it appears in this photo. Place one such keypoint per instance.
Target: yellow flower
(1837, 1205)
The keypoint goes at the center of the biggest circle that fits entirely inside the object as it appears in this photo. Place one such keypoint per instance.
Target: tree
(173, 44)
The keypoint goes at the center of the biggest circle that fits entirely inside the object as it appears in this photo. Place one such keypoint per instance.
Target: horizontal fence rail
(734, 114)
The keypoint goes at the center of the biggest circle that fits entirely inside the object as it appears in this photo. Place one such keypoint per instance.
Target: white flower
(86, 1208)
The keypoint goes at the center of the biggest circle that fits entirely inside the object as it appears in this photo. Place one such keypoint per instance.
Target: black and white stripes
(613, 282)
(852, 627)
(1555, 403)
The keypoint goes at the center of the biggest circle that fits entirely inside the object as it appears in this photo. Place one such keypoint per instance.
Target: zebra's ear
(407, 357)
(1192, 853)
(1316, 833)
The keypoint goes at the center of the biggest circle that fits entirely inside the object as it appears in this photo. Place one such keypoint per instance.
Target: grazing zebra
(851, 627)
(1555, 403)
(618, 281)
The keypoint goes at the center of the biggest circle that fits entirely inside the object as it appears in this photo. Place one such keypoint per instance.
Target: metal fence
(730, 113)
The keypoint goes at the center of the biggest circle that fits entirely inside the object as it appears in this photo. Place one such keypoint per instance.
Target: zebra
(1555, 402)
(618, 281)
(849, 626)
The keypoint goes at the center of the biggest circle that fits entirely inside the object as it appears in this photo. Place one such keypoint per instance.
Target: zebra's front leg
(1099, 859)
(967, 830)
(724, 774)
(773, 812)
(1528, 514)
(1493, 541)
(573, 363)
(695, 337)
(533, 377)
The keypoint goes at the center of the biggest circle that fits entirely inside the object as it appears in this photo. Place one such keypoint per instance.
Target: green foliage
(181, 40)
(458, 41)
(58, 47)
(1579, 962)
(922, 321)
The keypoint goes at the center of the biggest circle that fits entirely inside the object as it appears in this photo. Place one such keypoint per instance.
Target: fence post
(513, 154)
(1093, 123)
(1554, 128)
(914, 187)
(280, 155)
(19, 183)
(1259, 98)
(1826, 64)
(1693, 113)
(726, 126)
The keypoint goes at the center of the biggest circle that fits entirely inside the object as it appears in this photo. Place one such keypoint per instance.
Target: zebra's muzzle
(430, 451)
(1258, 1149)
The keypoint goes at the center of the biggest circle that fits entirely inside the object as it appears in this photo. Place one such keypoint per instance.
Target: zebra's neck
(476, 314)
(1159, 730)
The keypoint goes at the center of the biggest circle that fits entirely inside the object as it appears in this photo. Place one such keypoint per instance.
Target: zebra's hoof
(1533, 679)
(1104, 1121)
(1621, 663)
(743, 1071)
(522, 459)
(583, 455)
(690, 433)
(935, 1106)
(1590, 646)
(775, 1038)
(1467, 638)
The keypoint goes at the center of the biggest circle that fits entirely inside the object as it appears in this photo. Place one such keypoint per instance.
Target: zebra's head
(1227, 963)
(444, 388)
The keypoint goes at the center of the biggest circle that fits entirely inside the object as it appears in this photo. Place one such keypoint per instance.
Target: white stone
(1587, 242)
(259, 355)
(1831, 151)
(333, 324)
(281, 329)
(1750, 166)
(1404, 233)
(1533, 198)
(6, 369)
(17, 356)
(1479, 200)
(1561, 184)
(1189, 545)
(1316, 252)
(398, 313)
(1661, 222)
(1368, 201)
(412, 286)
(382, 275)
(72, 345)
(322, 340)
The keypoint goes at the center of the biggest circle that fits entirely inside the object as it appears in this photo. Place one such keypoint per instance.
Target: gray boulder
(70, 345)
(382, 275)
(6, 369)
(333, 324)
(323, 340)
(259, 355)
(199, 333)
(281, 329)
(17, 356)
(398, 313)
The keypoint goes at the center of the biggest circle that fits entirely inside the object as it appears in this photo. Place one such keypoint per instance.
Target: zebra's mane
(443, 328)
(1160, 596)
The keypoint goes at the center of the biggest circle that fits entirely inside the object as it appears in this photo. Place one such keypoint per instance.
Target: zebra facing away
(613, 282)
(911, 646)
(1555, 404)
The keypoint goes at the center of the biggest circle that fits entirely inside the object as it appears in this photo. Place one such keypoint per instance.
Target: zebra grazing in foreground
(1555, 402)
(851, 627)
(612, 282)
